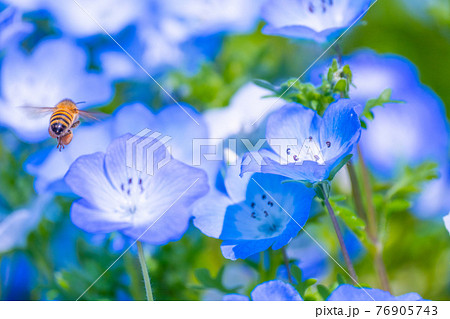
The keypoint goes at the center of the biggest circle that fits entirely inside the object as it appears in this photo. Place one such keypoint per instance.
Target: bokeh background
(203, 55)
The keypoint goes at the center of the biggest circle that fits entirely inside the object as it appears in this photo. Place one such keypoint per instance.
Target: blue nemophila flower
(254, 213)
(304, 145)
(274, 290)
(350, 293)
(401, 134)
(318, 20)
(115, 197)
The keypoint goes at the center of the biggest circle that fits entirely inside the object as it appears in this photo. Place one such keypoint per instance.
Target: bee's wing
(37, 111)
(96, 116)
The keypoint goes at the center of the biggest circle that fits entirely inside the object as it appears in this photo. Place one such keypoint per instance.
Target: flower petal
(96, 220)
(209, 213)
(341, 129)
(235, 297)
(275, 290)
(167, 208)
(241, 249)
(350, 293)
(86, 178)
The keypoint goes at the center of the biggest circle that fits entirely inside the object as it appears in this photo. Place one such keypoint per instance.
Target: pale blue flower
(12, 27)
(114, 197)
(112, 15)
(17, 225)
(351, 293)
(274, 290)
(305, 146)
(318, 20)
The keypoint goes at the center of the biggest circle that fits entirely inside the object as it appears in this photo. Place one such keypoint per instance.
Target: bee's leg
(74, 125)
(59, 146)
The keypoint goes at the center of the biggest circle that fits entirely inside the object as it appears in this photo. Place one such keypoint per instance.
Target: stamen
(270, 203)
(316, 157)
(264, 196)
(122, 187)
(295, 158)
(253, 205)
(253, 214)
(311, 7)
(288, 151)
(266, 213)
(130, 181)
(328, 144)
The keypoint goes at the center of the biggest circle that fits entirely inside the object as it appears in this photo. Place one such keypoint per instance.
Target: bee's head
(57, 128)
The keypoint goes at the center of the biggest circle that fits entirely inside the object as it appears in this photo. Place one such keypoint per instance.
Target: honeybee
(65, 117)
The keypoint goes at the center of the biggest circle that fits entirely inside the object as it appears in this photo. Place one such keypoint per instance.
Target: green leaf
(336, 169)
(341, 86)
(323, 291)
(381, 100)
(341, 280)
(266, 85)
(204, 277)
(296, 273)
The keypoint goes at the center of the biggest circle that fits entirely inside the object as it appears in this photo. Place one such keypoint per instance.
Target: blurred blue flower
(248, 219)
(120, 198)
(274, 290)
(308, 256)
(55, 70)
(168, 27)
(17, 277)
(24, 4)
(351, 293)
(12, 27)
(16, 226)
(305, 145)
(318, 20)
(112, 15)
(243, 111)
(49, 166)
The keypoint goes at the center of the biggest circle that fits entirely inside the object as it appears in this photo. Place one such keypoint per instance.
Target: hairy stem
(340, 238)
(356, 192)
(372, 225)
(148, 286)
(286, 264)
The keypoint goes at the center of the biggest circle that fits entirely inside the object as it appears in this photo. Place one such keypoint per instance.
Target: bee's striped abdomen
(60, 121)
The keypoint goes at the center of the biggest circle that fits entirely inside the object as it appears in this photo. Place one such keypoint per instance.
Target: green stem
(356, 192)
(372, 225)
(148, 286)
(286, 264)
(350, 268)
